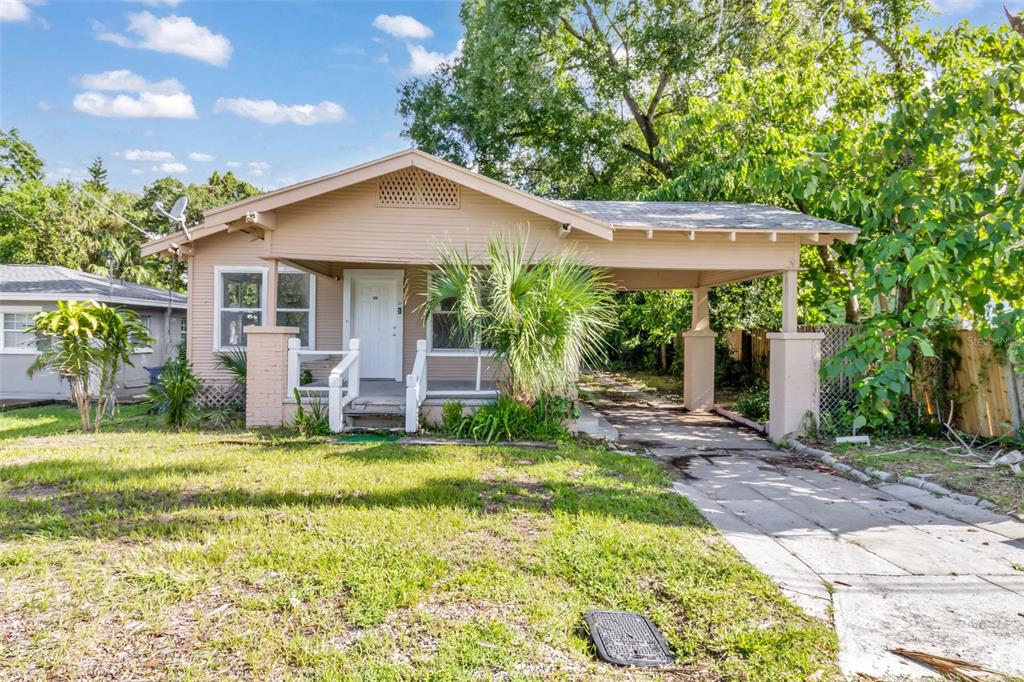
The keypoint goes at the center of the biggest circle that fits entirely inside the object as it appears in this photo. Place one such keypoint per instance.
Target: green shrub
(311, 421)
(174, 392)
(753, 403)
(235, 361)
(508, 419)
(451, 416)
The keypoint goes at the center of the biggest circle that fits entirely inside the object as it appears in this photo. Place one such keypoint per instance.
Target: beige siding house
(329, 276)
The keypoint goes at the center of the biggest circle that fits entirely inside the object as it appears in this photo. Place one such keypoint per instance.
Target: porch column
(266, 376)
(271, 294)
(795, 358)
(699, 356)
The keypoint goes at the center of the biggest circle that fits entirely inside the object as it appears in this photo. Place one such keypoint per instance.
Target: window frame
(218, 298)
(311, 310)
(474, 350)
(148, 324)
(17, 349)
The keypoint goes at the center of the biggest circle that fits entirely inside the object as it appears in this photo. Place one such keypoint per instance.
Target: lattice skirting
(219, 397)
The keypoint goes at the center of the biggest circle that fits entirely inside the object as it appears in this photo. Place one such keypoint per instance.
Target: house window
(240, 301)
(147, 322)
(14, 338)
(183, 331)
(296, 294)
(444, 332)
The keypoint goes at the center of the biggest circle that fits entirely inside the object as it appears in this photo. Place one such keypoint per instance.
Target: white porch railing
(339, 391)
(416, 390)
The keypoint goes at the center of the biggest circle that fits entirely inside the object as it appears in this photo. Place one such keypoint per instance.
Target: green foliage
(234, 361)
(313, 420)
(86, 343)
(646, 335)
(62, 224)
(543, 317)
(175, 391)
(451, 416)
(753, 403)
(509, 419)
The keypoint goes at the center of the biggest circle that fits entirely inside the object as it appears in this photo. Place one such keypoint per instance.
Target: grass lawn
(148, 554)
(934, 460)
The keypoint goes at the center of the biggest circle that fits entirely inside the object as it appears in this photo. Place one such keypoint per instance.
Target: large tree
(573, 98)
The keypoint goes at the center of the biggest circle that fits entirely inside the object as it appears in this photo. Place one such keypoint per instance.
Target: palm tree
(544, 317)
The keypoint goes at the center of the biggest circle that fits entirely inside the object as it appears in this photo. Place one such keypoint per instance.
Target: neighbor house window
(444, 332)
(14, 338)
(296, 301)
(240, 300)
(183, 331)
(147, 322)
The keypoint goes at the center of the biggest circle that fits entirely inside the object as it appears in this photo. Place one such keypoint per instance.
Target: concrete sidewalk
(890, 566)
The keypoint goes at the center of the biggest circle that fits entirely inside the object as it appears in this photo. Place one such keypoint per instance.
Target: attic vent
(415, 188)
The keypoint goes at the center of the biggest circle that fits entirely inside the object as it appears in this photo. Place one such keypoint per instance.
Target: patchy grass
(937, 461)
(664, 384)
(191, 556)
(51, 420)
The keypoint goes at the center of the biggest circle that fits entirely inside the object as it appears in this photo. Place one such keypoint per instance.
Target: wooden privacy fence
(990, 393)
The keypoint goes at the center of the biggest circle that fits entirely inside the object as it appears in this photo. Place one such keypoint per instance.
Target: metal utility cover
(625, 638)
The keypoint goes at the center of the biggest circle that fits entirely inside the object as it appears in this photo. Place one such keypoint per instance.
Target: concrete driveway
(891, 566)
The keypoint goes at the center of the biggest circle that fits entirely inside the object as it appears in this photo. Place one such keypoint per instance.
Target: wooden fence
(990, 394)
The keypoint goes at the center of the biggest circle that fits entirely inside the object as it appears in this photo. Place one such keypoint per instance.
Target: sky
(276, 91)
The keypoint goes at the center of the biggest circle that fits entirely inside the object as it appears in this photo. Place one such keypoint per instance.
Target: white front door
(376, 320)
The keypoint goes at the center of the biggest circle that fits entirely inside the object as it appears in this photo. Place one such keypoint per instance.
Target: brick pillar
(266, 374)
(794, 386)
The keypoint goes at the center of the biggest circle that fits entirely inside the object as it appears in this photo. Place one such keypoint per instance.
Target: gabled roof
(56, 283)
(702, 215)
(599, 218)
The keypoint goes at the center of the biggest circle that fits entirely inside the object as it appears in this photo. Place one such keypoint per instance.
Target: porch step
(375, 420)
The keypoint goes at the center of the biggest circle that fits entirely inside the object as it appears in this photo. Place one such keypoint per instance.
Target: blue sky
(276, 91)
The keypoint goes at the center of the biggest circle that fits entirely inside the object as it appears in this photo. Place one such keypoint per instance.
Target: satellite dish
(176, 215)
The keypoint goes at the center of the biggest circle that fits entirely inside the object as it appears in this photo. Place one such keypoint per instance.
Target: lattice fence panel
(839, 390)
(412, 187)
(219, 397)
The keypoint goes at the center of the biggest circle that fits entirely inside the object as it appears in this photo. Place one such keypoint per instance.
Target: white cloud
(383, 59)
(173, 167)
(43, 105)
(146, 105)
(137, 171)
(123, 80)
(402, 26)
(233, 164)
(173, 35)
(145, 155)
(422, 62)
(269, 111)
(14, 10)
(157, 3)
(165, 99)
(258, 168)
(200, 157)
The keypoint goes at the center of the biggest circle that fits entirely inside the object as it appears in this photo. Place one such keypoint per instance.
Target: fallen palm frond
(952, 667)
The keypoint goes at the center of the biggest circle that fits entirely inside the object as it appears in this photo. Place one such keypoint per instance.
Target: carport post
(794, 387)
(699, 356)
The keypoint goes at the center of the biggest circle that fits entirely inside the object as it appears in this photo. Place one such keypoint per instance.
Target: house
(29, 289)
(328, 276)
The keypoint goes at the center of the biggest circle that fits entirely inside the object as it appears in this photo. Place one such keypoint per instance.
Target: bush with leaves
(311, 421)
(86, 343)
(175, 391)
(509, 419)
(235, 362)
(754, 402)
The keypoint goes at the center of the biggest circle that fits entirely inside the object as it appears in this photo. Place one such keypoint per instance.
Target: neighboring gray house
(28, 289)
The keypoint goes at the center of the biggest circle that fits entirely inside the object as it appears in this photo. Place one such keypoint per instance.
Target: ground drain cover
(626, 638)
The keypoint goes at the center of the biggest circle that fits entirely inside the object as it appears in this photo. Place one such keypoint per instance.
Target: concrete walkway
(889, 565)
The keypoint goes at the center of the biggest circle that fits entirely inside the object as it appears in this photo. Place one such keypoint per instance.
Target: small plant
(451, 416)
(305, 377)
(235, 362)
(754, 402)
(311, 421)
(174, 392)
(509, 419)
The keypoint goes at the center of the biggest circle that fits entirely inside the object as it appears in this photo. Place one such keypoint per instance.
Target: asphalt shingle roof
(55, 282)
(694, 215)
